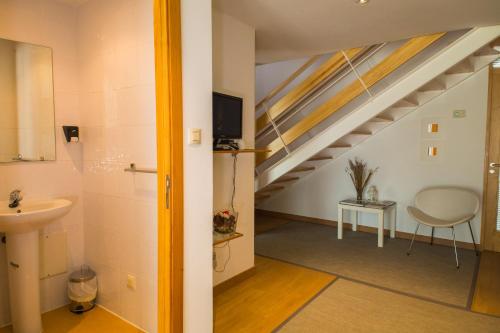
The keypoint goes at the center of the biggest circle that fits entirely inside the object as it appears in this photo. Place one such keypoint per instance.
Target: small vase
(359, 195)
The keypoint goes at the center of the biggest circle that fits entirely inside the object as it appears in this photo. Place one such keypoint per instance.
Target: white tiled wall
(117, 107)
(104, 82)
(48, 23)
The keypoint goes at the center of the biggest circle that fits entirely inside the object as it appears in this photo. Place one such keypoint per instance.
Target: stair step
(302, 169)
(487, 50)
(319, 158)
(434, 85)
(286, 180)
(382, 119)
(482, 60)
(404, 103)
(463, 67)
(271, 188)
(361, 132)
(340, 145)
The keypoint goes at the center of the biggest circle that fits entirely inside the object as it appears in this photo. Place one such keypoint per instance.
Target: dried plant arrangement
(360, 175)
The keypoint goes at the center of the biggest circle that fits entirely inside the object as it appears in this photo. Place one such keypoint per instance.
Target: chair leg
(473, 242)
(455, 246)
(412, 240)
(432, 236)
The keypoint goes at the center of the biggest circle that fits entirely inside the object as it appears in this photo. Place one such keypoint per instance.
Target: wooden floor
(97, 320)
(265, 300)
(487, 293)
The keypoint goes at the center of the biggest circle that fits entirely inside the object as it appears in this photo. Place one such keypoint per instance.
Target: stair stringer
(459, 50)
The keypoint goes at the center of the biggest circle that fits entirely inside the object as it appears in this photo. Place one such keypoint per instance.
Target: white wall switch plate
(195, 136)
(459, 113)
(131, 282)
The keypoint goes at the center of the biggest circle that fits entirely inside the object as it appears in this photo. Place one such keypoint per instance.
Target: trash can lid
(85, 273)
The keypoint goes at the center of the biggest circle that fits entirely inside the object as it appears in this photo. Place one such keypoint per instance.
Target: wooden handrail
(324, 71)
(407, 51)
(286, 82)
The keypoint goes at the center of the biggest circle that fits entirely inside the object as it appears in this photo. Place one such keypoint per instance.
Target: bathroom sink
(21, 227)
(31, 215)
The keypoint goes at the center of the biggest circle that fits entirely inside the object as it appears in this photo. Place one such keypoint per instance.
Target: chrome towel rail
(133, 168)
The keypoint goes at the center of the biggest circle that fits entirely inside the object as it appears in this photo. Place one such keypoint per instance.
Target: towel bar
(133, 168)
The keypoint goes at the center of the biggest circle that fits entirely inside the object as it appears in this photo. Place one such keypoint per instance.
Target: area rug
(348, 306)
(429, 272)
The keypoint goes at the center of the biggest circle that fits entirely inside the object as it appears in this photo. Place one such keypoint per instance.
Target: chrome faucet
(14, 198)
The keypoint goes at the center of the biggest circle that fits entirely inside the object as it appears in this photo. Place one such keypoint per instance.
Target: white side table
(378, 208)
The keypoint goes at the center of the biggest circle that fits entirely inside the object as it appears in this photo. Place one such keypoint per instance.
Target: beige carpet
(354, 307)
(429, 272)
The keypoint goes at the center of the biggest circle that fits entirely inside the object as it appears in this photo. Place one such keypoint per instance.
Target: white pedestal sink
(21, 225)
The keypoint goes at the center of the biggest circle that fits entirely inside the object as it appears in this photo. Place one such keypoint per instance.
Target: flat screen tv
(227, 116)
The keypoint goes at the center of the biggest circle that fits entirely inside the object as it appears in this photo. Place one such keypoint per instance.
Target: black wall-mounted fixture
(71, 133)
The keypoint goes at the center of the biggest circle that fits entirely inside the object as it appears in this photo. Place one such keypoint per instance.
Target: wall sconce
(432, 151)
(433, 128)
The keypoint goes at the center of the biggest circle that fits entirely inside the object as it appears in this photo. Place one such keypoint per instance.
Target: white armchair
(444, 207)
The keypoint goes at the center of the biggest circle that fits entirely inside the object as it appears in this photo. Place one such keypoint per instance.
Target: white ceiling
(287, 29)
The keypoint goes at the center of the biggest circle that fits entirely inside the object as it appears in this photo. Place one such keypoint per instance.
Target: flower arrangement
(360, 175)
(225, 221)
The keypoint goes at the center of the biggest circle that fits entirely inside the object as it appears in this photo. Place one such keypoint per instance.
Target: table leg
(339, 224)
(381, 229)
(393, 221)
(354, 220)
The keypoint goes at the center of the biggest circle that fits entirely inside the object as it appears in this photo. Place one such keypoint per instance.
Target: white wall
(118, 126)
(234, 74)
(197, 113)
(48, 23)
(396, 150)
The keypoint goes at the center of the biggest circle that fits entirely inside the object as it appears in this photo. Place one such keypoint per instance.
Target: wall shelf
(241, 151)
(222, 238)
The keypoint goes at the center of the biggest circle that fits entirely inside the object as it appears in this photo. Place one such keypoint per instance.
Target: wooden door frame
(168, 70)
(486, 157)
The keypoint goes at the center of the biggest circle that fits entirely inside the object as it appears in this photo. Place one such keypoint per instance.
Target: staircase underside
(443, 71)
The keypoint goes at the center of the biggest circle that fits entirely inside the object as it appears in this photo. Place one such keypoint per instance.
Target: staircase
(343, 102)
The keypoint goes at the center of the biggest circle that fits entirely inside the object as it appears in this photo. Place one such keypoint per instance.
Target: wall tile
(51, 24)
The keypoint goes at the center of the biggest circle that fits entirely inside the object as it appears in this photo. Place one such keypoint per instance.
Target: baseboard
(225, 285)
(362, 228)
(120, 317)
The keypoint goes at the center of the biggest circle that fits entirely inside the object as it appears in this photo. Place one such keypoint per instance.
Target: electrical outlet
(131, 282)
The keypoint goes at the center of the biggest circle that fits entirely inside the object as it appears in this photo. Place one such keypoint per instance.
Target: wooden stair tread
(361, 132)
(271, 188)
(286, 180)
(320, 158)
(382, 119)
(340, 145)
(301, 169)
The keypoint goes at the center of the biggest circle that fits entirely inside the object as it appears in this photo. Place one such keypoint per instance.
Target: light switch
(195, 136)
(458, 113)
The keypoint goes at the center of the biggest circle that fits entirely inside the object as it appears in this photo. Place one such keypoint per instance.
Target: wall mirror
(27, 130)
